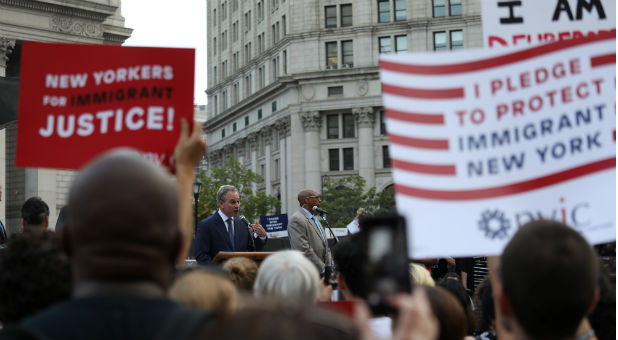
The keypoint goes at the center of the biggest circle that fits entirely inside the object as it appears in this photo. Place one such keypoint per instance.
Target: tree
(342, 197)
(232, 173)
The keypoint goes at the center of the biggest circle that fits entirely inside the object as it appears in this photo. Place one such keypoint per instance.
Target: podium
(257, 256)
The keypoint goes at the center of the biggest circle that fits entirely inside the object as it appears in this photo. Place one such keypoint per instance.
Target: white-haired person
(288, 275)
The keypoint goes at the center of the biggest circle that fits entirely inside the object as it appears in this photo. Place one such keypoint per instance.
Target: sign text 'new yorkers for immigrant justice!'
(81, 100)
(483, 141)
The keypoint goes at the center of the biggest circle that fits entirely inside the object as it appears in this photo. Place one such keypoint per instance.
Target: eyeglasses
(318, 197)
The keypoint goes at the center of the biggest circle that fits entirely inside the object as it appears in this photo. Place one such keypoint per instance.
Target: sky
(170, 23)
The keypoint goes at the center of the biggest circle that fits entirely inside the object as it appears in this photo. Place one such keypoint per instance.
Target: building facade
(293, 87)
(75, 21)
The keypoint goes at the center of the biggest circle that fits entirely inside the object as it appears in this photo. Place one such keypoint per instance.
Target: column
(296, 161)
(6, 47)
(253, 142)
(267, 135)
(365, 119)
(311, 125)
(283, 127)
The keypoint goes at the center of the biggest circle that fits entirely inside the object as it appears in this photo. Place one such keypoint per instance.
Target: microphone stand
(251, 245)
(330, 229)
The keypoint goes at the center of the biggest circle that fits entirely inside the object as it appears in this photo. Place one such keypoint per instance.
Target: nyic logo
(496, 224)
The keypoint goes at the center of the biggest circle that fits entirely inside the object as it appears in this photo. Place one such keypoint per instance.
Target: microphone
(319, 210)
(244, 219)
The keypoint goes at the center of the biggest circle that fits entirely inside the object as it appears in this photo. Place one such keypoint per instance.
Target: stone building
(76, 21)
(294, 90)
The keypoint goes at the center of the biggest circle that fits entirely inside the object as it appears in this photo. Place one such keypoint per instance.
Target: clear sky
(170, 23)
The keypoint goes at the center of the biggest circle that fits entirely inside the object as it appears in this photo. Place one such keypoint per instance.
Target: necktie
(230, 231)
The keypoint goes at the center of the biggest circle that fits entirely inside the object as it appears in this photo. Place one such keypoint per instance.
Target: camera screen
(380, 243)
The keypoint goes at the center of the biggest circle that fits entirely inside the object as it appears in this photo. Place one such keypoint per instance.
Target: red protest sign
(78, 101)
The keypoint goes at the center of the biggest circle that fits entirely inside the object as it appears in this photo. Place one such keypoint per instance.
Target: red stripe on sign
(453, 93)
(437, 144)
(415, 117)
(603, 60)
(510, 189)
(494, 61)
(430, 169)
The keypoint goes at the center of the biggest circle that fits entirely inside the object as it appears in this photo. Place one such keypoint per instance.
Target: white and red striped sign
(483, 141)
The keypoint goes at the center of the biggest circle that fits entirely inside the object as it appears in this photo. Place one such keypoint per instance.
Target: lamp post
(325, 179)
(197, 187)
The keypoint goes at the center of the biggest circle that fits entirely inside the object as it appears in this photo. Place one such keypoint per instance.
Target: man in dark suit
(224, 231)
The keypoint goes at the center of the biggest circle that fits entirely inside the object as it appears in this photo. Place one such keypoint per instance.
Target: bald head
(309, 198)
(122, 221)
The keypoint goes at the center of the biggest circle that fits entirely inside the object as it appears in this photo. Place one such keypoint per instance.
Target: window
(259, 114)
(234, 5)
(331, 55)
(439, 41)
(335, 91)
(348, 125)
(333, 159)
(455, 7)
(348, 159)
(277, 168)
(223, 11)
(224, 70)
(260, 77)
(330, 16)
(248, 85)
(235, 31)
(260, 13)
(214, 17)
(234, 127)
(386, 158)
(385, 44)
(247, 53)
(274, 69)
(273, 34)
(384, 11)
(456, 40)
(216, 106)
(223, 40)
(222, 133)
(285, 62)
(346, 15)
(439, 8)
(347, 54)
(382, 123)
(247, 21)
(235, 96)
(259, 44)
(223, 100)
(332, 127)
(214, 46)
(235, 61)
(246, 120)
(277, 31)
(401, 43)
(273, 106)
(284, 32)
(400, 10)
(214, 71)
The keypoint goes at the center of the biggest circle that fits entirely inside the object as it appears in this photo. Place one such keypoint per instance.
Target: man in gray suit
(306, 233)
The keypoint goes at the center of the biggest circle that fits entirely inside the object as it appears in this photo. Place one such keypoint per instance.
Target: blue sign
(275, 225)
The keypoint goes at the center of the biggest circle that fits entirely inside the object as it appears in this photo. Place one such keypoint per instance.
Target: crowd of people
(116, 269)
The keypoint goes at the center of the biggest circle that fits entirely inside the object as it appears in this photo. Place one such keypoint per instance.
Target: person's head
(484, 302)
(448, 311)
(202, 289)
(122, 221)
(276, 319)
(454, 287)
(420, 276)
(34, 274)
(351, 258)
(288, 275)
(229, 200)
(242, 272)
(34, 214)
(309, 198)
(549, 280)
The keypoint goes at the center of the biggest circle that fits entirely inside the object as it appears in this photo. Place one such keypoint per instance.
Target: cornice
(72, 8)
